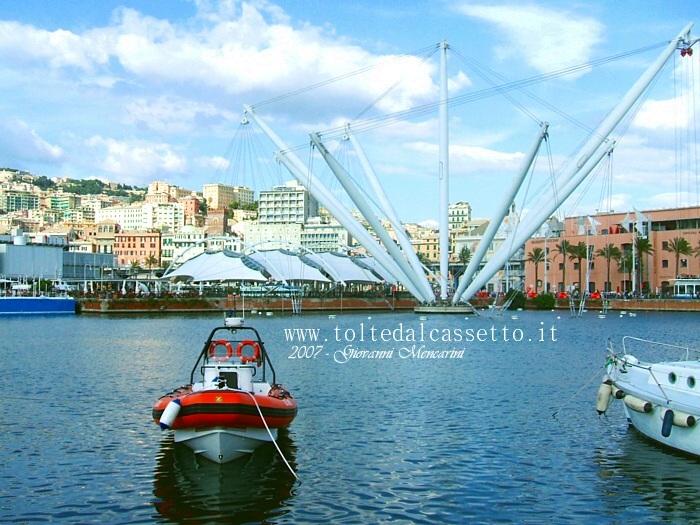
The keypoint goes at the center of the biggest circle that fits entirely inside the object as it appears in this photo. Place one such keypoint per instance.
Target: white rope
(270, 433)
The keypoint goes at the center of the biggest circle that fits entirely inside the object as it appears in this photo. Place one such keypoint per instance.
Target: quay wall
(220, 304)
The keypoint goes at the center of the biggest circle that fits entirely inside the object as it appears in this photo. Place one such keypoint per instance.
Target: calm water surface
(468, 439)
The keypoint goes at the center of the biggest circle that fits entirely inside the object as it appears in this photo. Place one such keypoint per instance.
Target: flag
(627, 223)
(641, 220)
(594, 225)
(581, 223)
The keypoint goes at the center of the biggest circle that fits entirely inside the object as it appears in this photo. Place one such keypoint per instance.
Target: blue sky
(138, 91)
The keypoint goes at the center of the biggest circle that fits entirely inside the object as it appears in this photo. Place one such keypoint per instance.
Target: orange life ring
(248, 358)
(220, 342)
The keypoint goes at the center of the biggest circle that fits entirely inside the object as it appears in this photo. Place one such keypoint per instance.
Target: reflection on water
(252, 489)
(469, 440)
(644, 476)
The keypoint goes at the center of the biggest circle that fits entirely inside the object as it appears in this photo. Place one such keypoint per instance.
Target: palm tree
(579, 252)
(610, 253)
(151, 261)
(679, 246)
(563, 249)
(643, 247)
(625, 266)
(135, 267)
(536, 256)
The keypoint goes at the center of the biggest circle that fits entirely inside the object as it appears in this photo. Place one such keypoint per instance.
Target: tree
(625, 265)
(679, 246)
(423, 258)
(135, 267)
(465, 255)
(579, 252)
(151, 261)
(643, 247)
(610, 253)
(536, 256)
(563, 249)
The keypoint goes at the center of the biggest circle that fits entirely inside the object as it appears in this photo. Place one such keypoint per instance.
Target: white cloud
(669, 114)
(174, 114)
(20, 142)
(136, 161)
(472, 158)
(213, 163)
(548, 39)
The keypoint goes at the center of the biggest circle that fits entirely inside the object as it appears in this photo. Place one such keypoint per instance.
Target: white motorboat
(661, 399)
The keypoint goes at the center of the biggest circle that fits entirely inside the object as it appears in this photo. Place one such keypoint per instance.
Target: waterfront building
(659, 230)
(322, 234)
(471, 235)
(136, 247)
(273, 235)
(286, 203)
(188, 239)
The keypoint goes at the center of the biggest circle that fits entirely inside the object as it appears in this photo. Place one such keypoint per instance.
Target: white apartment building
(221, 195)
(137, 217)
(323, 235)
(458, 214)
(290, 202)
(275, 235)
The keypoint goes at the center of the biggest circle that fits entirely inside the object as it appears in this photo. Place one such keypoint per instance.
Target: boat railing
(234, 339)
(685, 356)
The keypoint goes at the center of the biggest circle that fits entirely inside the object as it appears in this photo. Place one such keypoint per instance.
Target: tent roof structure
(280, 266)
(219, 266)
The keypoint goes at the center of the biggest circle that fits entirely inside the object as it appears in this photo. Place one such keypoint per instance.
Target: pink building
(658, 269)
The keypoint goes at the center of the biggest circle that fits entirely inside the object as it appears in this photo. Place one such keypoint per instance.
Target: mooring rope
(274, 442)
(554, 414)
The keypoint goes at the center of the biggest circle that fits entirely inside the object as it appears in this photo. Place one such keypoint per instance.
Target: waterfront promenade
(314, 304)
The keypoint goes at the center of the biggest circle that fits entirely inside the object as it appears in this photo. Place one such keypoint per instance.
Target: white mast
(591, 153)
(368, 214)
(328, 200)
(502, 211)
(444, 175)
(386, 206)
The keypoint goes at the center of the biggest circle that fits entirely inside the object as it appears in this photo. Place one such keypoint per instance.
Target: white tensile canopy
(287, 266)
(219, 266)
(372, 264)
(342, 268)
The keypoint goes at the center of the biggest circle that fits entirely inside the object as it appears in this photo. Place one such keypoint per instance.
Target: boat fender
(667, 424)
(248, 358)
(618, 393)
(638, 405)
(604, 398)
(682, 419)
(220, 342)
(169, 414)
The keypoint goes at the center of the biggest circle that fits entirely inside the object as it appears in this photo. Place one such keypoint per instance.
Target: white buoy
(604, 397)
(638, 405)
(169, 414)
(681, 419)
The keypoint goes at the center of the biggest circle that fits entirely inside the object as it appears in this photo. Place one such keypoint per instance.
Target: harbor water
(402, 419)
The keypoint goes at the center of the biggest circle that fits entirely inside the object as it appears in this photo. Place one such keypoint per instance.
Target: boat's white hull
(651, 425)
(222, 445)
(661, 400)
